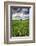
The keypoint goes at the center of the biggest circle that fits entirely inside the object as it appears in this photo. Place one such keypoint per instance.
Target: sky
(20, 13)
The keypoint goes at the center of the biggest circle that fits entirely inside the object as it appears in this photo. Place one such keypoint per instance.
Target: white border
(30, 24)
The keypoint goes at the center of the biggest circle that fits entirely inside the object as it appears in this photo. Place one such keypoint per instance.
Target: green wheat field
(20, 28)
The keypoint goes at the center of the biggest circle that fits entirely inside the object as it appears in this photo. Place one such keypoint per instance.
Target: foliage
(20, 28)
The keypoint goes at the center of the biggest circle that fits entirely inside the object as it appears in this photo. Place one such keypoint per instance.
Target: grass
(20, 28)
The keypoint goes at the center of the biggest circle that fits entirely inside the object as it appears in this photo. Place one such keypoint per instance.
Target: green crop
(20, 28)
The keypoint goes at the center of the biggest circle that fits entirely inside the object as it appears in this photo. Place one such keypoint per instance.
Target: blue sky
(20, 13)
(21, 10)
